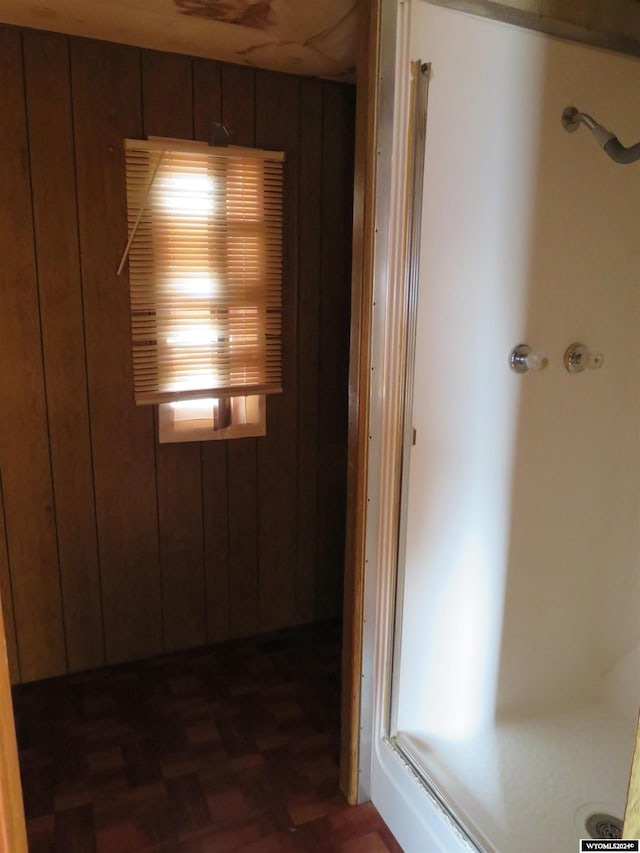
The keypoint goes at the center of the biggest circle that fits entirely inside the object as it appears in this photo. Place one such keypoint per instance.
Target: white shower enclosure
(503, 600)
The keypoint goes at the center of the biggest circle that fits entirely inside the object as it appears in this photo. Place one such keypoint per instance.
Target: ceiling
(299, 36)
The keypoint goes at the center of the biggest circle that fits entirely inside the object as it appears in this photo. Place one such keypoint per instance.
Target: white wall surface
(522, 566)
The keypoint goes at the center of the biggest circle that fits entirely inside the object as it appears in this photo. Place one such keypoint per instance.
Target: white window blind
(205, 269)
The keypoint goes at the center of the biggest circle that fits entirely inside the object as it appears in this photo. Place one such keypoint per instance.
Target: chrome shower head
(572, 118)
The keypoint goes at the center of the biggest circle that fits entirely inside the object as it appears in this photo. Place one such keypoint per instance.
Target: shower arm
(573, 118)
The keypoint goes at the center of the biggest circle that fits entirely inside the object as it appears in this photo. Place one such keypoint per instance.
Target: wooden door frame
(359, 391)
(632, 810)
(13, 831)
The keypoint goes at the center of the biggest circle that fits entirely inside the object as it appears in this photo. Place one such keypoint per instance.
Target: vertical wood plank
(309, 263)
(24, 449)
(207, 96)
(7, 600)
(207, 108)
(243, 525)
(337, 196)
(238, 103)
(181, 546)
(47, 80)
(238, 111)
(106, 107)
(277, 125)
(167, 99)
(167, 111)
(216, 538)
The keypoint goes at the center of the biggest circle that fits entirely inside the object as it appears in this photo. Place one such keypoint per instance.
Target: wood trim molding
(359, 386)
(614, 25)
(632, 812)
(13, 834)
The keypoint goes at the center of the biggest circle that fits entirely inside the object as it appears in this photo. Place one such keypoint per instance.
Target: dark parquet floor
(229, 748)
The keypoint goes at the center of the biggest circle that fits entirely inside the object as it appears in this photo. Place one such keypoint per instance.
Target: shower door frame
(387, 776)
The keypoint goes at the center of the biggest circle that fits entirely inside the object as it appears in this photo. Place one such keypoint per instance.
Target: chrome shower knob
(523, 359)
(578, 357)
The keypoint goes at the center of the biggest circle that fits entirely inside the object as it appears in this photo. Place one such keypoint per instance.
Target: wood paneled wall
(113, 547)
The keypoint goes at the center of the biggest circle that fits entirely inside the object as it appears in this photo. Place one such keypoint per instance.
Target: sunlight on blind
(205, 269)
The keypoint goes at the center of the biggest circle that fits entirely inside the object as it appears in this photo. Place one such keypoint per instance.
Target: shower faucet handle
(523, 358)
(578, 357)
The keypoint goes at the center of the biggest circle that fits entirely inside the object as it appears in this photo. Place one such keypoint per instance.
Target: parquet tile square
(230, 748)
(370, 843)
(314, 809)
(74, 829)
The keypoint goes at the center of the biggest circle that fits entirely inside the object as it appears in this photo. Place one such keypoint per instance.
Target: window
(205, 272)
